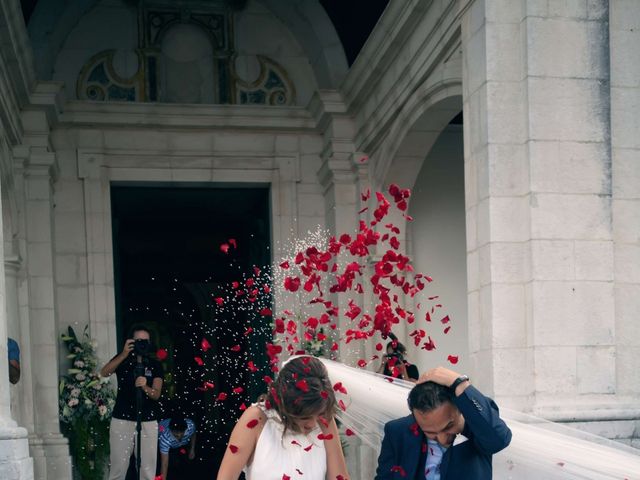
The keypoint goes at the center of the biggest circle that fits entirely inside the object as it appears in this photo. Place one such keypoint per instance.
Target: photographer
(135, 369)
(394, 363)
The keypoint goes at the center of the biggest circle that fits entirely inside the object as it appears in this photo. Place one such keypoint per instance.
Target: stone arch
(53, 20)
(398, 161)
(415, 155)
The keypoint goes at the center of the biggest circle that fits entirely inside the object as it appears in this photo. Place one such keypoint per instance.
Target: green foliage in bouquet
(85, 405)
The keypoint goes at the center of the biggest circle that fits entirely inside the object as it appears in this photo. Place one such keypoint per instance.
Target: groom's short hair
(428, 396)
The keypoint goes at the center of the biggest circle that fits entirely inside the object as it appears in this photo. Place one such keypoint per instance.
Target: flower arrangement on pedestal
(85, 406)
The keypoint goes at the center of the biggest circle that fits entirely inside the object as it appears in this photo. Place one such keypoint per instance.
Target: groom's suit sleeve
(482, 419)
(388, 455)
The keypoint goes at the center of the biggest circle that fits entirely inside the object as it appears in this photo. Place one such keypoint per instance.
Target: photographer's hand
(111, 366)
(141, 382)
(128, 348)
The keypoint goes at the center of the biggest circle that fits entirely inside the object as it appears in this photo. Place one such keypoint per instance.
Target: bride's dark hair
(302, 389)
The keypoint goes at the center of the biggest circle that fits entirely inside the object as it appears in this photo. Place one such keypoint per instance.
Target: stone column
(343, 177)
(15, 463)
(48, 447)
(624, 35)
(12, 269)
(538, 201)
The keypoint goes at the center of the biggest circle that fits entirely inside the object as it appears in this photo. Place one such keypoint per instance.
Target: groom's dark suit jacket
(403, 455)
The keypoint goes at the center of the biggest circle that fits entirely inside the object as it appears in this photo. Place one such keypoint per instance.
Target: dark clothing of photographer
(412, 370)
(394, 363)
(125, 407)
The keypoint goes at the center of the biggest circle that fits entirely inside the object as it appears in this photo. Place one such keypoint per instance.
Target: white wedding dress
(539, 450)
(294, 455)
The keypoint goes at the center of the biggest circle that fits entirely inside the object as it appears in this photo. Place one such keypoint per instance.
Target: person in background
(14, 360)
(175, 433)
(395, 364)
(122, 432)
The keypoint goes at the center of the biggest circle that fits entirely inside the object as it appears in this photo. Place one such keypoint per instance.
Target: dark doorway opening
(169, 270)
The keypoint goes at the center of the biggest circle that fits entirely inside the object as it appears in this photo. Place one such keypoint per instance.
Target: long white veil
(539, 450)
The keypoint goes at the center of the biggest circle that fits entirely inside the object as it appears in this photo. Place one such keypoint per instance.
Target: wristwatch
(458, 381)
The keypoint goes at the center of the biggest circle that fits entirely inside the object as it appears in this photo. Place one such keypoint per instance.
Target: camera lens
(141, 346)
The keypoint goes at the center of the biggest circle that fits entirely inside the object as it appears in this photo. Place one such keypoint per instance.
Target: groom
(451, 434)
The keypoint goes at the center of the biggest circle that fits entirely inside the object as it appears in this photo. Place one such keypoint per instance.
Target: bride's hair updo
(301, 390)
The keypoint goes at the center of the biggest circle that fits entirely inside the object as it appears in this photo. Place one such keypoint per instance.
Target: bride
(291, 432)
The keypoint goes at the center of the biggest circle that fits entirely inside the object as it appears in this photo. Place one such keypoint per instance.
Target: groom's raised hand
(445, 377)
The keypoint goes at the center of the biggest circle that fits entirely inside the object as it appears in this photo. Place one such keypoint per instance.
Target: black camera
(397, 355)
(141, 346)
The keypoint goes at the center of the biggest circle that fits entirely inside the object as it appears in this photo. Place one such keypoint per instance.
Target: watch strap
(458, 381)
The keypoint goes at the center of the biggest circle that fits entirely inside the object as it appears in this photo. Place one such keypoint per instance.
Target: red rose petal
(453, 359)
(252, 423)
(233, 448)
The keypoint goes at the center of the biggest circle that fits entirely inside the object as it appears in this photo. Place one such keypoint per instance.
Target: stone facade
(535, 198)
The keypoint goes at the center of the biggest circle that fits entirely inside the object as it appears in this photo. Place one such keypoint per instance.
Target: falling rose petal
(324, 394)
(162, 354)
(238, 390)
(398, 469)
(267, 379)
(338, 387)
(221, 397)
(233, 448)
(445, 320)
(453, 359)
(209, 385)
(235, 348)
(183, 451)
(302, 385)
(251, 366)
(379, 347)
(224, 248)
(205, 345)
(364, 158)
(243, 407)
(299, 471)
(362, 363)
(342, 406)
(295, 442)
(446, 330)
(233, 243)
(284, 265)
(322, 436)
(198, 360)
(334, 347)
(285, 477)
(219, 301)
(349, 433)
(366, 195)
(362, 210)
(307, 449)
(248, 331)
(252, 423)
(324, 422)
(265, 312)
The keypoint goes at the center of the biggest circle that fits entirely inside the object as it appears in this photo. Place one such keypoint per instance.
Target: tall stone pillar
(15, 463)
(49, 448)
(343, 177)
(12, 269)
(538, 202)
(624, 34)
